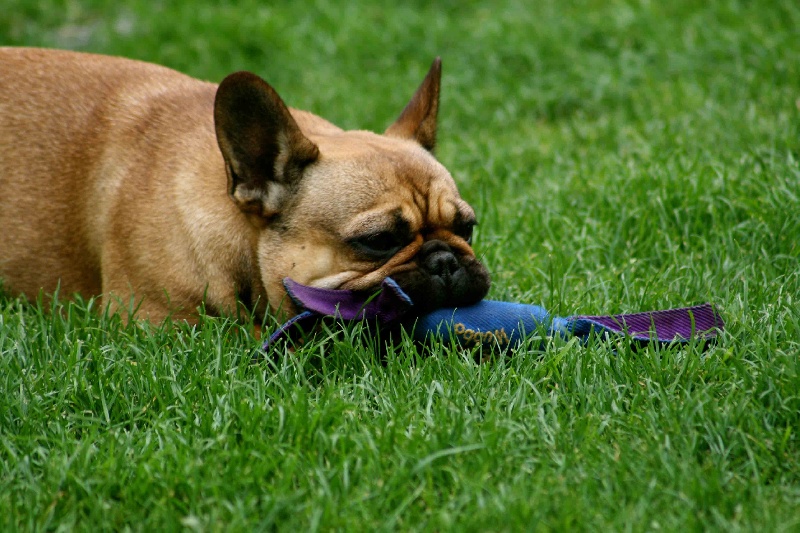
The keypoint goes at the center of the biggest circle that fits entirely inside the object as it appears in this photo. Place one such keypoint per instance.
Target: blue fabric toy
(492, 324)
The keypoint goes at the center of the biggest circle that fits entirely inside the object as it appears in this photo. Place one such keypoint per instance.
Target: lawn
(621, 156)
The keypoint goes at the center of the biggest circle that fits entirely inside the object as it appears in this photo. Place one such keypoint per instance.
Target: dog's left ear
(418, 119)
(264, 150)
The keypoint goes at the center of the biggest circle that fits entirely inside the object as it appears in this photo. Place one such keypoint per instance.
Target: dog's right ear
(264, 150)
(418, 120)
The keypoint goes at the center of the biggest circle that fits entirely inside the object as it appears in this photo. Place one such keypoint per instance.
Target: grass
(621, 156)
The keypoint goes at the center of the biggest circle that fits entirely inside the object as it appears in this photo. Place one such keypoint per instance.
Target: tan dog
(161, 192)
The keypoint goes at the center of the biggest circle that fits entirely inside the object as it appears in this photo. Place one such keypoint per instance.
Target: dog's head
(345, 209)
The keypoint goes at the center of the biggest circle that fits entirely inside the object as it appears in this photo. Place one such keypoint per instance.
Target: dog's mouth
(441, 271)
(443, 277)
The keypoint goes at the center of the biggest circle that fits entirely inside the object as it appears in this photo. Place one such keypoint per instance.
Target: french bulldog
(162, 193)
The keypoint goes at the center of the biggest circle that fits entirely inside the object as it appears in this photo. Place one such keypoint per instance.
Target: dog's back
(70, 129)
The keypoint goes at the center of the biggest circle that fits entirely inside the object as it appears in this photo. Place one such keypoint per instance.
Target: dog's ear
(418, 119)
(264, 150)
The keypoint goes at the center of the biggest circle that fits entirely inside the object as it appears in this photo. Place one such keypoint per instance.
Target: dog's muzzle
(445, 276)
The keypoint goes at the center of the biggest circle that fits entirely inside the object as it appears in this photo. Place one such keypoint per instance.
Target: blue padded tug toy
(489, 323)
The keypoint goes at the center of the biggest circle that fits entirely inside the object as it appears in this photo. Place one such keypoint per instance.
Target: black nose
(441, 263)
(438, 260)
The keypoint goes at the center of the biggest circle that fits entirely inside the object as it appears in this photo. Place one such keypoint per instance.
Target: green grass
(621, 156)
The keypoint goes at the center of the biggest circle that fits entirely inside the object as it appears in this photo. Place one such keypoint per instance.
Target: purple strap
(387, 305)
(669, 325)
(297, 324)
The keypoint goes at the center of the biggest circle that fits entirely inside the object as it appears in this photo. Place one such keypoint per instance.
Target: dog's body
(136, 182)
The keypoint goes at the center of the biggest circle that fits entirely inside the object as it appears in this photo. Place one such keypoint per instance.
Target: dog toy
(489, 323)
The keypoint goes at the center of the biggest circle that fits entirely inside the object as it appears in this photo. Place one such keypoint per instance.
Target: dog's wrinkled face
(346, 209)
(384, 208)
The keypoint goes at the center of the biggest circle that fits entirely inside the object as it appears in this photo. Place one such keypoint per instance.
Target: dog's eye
(465, 231)
(380, 245)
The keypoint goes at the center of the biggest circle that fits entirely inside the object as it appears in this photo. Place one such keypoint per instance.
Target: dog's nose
(438, 259)
(441, 263)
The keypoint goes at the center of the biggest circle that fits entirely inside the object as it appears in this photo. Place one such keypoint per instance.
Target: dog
(163, 194)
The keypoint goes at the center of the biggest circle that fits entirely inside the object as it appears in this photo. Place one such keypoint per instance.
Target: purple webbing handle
(681, 324)
(387, 306)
